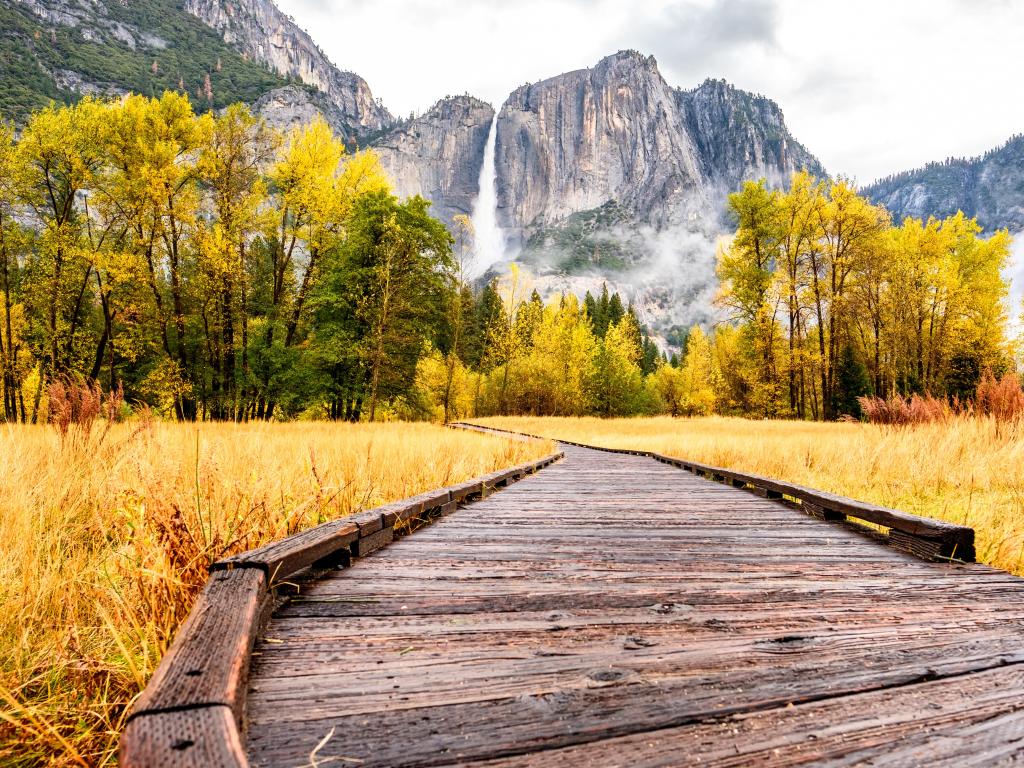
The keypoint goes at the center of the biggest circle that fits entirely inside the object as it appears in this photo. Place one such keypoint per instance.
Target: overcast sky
(870, 87)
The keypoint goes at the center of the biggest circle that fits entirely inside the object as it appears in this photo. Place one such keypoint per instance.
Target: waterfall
(489, 244)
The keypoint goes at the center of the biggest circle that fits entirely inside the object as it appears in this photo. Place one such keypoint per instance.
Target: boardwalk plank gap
(614, 610)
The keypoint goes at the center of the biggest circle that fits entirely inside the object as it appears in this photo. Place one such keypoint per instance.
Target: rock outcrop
(741, 136)
(579, 140)
(439, 154)
(295, 105)
(990, 187)
(611, 174)
(261, 31)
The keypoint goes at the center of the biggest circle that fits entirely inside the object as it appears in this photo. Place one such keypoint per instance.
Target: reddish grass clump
(74, 408)
(1002, 399)
(899, 411)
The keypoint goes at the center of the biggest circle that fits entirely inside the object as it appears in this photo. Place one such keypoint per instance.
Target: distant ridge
(989, 187)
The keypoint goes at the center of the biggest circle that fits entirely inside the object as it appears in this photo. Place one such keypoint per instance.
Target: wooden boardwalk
(615, 611)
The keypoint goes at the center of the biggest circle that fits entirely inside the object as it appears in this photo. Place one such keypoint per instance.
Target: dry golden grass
(965, 470)
(104, 545)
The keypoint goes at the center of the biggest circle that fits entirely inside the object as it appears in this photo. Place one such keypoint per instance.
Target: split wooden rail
(191, 713)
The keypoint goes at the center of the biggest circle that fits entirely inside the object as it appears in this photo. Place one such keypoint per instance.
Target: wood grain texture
(208, 662)
(614, 610)
(195, 738)
(281, 560)
(938, 539)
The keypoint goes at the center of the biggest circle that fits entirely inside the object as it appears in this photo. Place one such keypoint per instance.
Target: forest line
(213, 268)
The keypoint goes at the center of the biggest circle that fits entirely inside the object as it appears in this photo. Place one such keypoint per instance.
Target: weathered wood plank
(948, 538)
(209, 660)
(753, 666)
(371, 542)
(972, 720)
(282, 559)
(196, 738)
(608, 702)
(335, 539)
(613, 597)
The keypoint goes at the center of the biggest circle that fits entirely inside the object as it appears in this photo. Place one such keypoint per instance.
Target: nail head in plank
(195, 738)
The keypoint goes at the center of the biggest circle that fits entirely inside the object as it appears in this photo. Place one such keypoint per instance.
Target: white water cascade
(489, 244)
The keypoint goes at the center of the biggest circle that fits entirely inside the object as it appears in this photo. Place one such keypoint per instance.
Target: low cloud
(670, 279)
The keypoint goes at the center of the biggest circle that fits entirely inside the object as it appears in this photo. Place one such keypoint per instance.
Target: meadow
(968, 470)
(106, 534)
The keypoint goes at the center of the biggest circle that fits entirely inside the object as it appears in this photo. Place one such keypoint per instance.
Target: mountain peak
(628, 57)
(461, 103)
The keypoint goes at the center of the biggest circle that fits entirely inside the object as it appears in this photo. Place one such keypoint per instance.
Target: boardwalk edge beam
(192, 712)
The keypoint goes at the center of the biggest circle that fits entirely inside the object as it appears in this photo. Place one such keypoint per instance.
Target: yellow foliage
(834, 301)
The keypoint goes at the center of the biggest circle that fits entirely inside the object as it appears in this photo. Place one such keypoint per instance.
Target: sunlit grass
(965, 470)
(104, 545)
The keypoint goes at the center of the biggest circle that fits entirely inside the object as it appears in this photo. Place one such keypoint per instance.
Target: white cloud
(870, 87)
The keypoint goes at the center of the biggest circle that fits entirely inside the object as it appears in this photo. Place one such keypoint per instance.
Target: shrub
(900, 411)
(74, 408)
(1002, 399)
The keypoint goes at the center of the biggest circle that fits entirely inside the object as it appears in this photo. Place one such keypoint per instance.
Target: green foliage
(171, 48)
(585, 240)
(384, 294)
(851, 382)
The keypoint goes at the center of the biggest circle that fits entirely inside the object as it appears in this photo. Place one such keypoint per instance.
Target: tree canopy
(213, 268)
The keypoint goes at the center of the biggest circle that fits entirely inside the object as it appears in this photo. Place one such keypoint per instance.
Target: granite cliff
(264, 34)
(439, 154)
(577, 141)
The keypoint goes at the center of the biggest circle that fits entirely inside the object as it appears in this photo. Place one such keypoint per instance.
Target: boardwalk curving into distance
(611, 610)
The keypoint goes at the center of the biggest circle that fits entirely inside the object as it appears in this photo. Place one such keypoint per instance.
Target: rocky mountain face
(619, 135)
(741, 136)
(262, 32)
(990, 187)
(611, 174)
(217, 51)
(613, 133)
(60, 50)
(439, 154)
